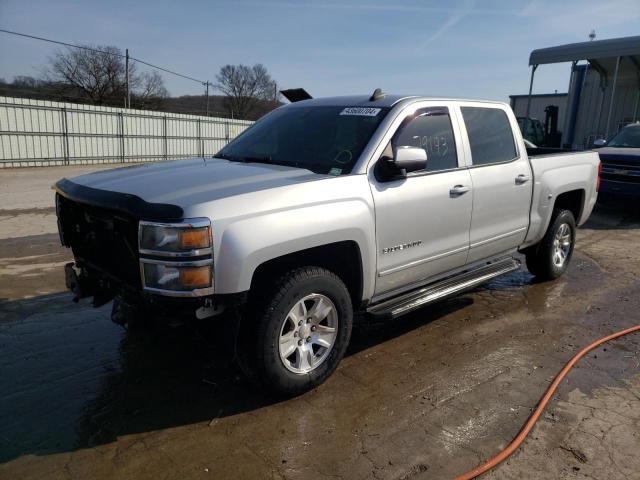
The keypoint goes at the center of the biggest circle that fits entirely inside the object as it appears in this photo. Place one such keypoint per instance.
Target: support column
(533, 71)
(571, 90)
(613, 94)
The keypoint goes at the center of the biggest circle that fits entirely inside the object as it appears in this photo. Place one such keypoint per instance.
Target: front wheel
(302, 329)
(550, 258)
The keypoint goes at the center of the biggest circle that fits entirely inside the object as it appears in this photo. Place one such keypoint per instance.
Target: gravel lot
(427, 396)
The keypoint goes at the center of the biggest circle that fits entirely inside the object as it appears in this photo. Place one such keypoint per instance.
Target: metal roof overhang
(620, 55)
(598, 49)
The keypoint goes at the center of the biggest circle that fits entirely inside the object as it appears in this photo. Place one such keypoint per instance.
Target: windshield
(627, 137)
(326, 140)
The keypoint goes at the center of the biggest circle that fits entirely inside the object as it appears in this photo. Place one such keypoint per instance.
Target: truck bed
(557, 171)
(549, 151)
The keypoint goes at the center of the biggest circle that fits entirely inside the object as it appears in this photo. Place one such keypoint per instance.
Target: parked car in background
(620, 159)
(531, 129)
(323, 209)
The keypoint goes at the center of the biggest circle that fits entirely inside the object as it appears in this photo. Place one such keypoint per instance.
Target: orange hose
(517, 441)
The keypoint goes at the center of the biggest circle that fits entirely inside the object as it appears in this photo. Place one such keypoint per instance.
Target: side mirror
(600, 142)
(408, 159)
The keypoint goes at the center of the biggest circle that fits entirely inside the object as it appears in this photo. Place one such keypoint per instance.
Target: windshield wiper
(265, 159)
(256, 159)
(269, 160)
(226, 156)
(244, 159)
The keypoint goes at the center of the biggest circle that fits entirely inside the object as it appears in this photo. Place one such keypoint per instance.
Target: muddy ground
(427, 396)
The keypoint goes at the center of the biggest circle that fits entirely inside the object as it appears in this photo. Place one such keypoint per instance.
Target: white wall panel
(40, 133)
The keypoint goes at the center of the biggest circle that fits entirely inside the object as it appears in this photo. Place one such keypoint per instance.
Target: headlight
(175, 239)
(177, 276)
(189, 269)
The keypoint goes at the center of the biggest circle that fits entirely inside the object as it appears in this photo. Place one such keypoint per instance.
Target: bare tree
(26, 81)
(98, 74)
(150, 92)
(245, 87)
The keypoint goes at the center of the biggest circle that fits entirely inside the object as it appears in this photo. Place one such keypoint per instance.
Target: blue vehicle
(620, 158)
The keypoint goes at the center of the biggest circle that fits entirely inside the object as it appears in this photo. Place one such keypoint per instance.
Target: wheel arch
(572, 200)
(343, 258)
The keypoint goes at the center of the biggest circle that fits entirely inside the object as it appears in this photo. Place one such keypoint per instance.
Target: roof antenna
(377, 95)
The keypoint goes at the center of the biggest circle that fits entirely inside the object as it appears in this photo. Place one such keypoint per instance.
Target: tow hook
(122, 311)
(83, 287)
(72, 281)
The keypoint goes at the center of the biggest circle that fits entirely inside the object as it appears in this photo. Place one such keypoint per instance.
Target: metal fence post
(65, 135)
(165, 143)
(200, 141)
(121, 125)
(226, 133)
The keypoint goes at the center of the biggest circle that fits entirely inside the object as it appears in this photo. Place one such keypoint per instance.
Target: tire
(275, 321)
(551, 256)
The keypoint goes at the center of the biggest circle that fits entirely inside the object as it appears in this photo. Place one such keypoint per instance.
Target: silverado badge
(402, 246)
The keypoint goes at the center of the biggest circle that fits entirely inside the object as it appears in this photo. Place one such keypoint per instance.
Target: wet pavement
(427, 396)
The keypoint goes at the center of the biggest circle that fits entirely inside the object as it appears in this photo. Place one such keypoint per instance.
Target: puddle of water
(53, 360)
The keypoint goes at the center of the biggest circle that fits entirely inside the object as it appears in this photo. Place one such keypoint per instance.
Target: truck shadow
(614, 213)
(72, 379)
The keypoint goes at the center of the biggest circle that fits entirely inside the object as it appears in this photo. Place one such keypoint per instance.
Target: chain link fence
(45, 133)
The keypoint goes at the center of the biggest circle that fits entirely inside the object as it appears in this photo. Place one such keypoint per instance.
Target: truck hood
(182, 183)
(622, 156)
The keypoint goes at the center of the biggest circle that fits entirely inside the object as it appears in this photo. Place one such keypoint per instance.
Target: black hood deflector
(122, 202)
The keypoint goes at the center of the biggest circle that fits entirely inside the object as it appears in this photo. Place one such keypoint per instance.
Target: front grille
(620, 168)
(616, 177)
(101, 240)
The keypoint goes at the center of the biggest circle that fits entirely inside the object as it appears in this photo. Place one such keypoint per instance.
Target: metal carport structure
(616, 56)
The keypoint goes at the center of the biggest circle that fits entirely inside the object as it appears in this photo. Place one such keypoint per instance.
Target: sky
(459, 48)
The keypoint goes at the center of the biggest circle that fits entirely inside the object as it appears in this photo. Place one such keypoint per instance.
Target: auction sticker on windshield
(361, 111)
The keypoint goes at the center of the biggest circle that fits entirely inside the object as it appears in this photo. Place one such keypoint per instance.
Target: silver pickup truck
(325, 208)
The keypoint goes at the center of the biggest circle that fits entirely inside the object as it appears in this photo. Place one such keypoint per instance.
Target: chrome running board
(422, 296)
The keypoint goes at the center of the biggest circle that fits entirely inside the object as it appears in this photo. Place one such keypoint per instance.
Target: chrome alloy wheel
(308, 333)
(561, 245)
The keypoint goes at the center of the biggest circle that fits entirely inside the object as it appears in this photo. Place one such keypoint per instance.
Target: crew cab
(325, 208)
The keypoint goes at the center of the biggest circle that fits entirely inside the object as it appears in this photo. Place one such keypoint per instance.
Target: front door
(422, 221)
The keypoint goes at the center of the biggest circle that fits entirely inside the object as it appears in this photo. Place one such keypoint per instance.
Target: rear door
(422, 222)
(501, 178)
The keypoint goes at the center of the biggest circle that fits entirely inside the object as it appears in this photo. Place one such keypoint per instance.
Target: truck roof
(388, 100)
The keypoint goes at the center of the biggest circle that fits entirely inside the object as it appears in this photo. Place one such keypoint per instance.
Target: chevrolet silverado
(325, 208)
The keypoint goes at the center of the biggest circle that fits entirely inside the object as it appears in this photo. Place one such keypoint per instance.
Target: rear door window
(490, 135)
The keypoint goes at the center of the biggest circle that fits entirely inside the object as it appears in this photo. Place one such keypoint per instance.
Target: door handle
(459, 190)
(522, 178)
